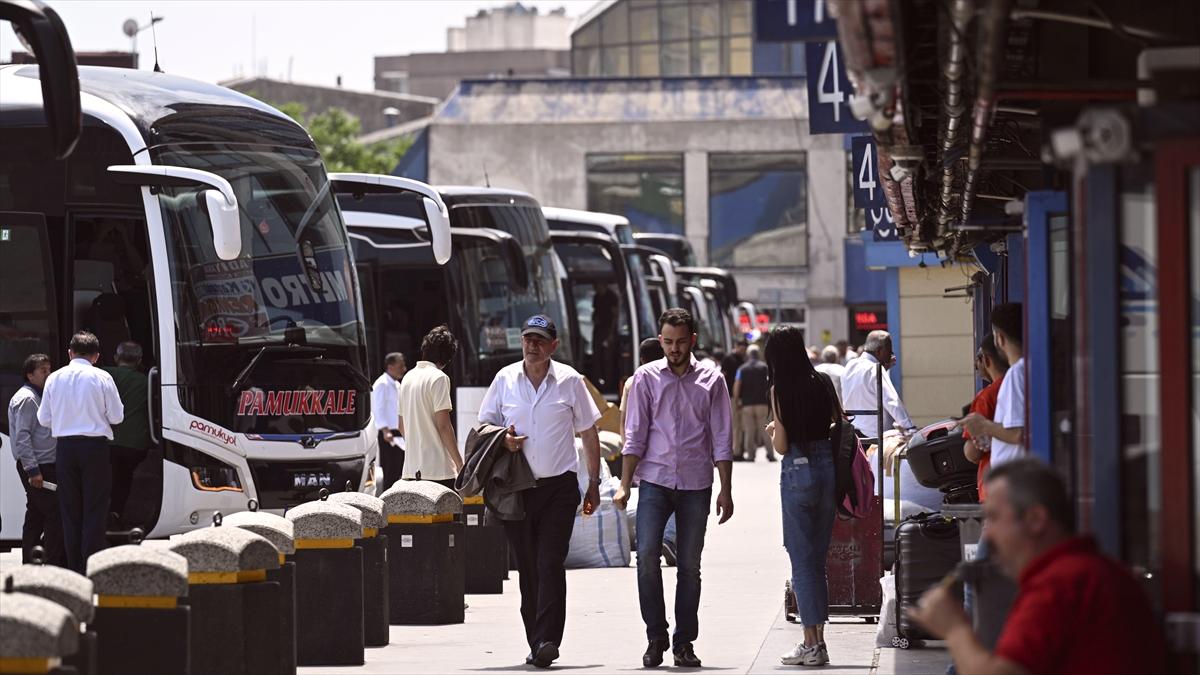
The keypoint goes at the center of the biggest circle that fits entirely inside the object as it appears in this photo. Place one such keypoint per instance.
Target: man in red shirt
(1077, 611)
(992, 366)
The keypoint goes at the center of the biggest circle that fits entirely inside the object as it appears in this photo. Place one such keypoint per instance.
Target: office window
(615, 61)
(644, 23)
(738, 59)
(757, 210)
(646, 189)
(614, 25)
(675, 58)
(737, 17)
(675, 21)
(586, 62)
(705, 19)
(706, 57)
(645, 60)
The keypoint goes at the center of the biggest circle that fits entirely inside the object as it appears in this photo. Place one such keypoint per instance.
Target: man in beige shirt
(431, 448)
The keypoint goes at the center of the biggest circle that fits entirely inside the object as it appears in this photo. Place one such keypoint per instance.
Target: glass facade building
(678, 38)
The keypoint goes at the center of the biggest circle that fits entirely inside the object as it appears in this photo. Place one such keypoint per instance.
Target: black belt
(551, 480)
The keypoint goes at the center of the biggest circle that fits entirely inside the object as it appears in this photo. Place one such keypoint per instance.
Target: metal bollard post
(230, 599)
(138, 590)
(425, 553)
(35, 633)
(487, 550)
(329, 584)
(279, 531)
(375, 565)
(67, 588)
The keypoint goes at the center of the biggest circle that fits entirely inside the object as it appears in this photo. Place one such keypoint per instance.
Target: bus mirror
(219, 199)
(439, 229)
(226, 225)
(436, 212)
(42, 32)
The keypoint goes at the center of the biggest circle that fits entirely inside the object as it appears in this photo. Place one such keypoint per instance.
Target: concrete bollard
(36, 634)
(279, 531)
(137, 593)
(329, 584)
(375, 565)
(234, 608)
(69, 589)
(425, 553)
(487, 550)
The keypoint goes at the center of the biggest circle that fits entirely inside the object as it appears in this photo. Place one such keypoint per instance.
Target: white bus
(199, 223)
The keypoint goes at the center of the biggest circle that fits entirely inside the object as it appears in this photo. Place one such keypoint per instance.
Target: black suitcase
(927, 549)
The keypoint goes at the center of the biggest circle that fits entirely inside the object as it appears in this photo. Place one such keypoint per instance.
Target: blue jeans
(806, 486)
(655, 505)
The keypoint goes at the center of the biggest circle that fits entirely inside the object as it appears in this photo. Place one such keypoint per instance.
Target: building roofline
(395, 96)
(592, 13)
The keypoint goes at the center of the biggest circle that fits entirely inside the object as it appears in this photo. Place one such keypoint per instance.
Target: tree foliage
(336, 133)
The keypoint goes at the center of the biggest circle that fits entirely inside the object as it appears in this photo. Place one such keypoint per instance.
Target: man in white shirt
(831, 365)
(859, 389)
(1007, 429)
(80, 404)
(545, 404)
(385, 410)
(430, 448)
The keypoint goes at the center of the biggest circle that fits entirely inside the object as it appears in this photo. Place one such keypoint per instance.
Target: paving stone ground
(742, 629)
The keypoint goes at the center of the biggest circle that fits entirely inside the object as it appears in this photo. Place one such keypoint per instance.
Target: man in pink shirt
(677, 427)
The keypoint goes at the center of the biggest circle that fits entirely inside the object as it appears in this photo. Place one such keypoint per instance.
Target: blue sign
(829, 91)
(793, 21)
(879, 219)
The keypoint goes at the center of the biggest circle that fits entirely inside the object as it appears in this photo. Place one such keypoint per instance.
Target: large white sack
(601, 539)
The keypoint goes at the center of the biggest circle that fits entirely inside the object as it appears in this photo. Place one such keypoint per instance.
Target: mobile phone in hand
(47, 485)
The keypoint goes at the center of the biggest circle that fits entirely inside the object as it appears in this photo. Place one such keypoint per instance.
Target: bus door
(600, 289)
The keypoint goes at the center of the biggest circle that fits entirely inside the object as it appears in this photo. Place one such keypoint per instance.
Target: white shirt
(385, 402)
(859, 393)
(80, 399)
(424, 391)
(1010, 413)
(834, 371)
(550, 416)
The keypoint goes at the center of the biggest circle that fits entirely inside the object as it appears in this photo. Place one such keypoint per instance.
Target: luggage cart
(855, 561)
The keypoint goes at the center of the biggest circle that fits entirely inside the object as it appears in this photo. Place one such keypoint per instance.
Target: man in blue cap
(544, 404)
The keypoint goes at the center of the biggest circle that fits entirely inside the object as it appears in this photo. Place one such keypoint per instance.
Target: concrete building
(513, 41)
(724, 161)
(375, 110)
(512, 27)
(436, 74)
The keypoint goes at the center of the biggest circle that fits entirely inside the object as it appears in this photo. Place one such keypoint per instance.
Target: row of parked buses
(202, 224)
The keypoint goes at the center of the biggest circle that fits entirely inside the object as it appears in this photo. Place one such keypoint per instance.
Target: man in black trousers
(80, 404)
(34, 449)
(544, 404)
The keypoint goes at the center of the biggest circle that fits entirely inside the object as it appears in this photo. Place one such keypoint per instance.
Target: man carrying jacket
(544, 404)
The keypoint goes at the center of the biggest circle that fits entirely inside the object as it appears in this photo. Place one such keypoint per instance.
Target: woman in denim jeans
(802, 406)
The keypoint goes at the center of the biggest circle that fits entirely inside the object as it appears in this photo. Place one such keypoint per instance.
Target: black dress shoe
(653, 657)
(545, 654)
(529, 659)
(685, 656)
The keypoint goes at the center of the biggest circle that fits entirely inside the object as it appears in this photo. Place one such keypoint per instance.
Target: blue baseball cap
(540, 324)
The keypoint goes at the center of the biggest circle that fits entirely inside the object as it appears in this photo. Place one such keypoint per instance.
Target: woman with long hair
(803, 408)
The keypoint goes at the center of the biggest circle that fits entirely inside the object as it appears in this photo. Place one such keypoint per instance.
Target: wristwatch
(594, 481)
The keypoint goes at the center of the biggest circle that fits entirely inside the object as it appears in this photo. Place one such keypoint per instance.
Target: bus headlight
(216, 478)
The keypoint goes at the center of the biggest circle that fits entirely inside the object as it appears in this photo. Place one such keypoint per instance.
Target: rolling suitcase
(927, 549)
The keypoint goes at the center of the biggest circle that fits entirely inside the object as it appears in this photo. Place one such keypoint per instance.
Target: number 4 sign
(829, 91)
(867, 189)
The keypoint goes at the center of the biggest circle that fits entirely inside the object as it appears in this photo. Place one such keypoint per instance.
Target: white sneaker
(802, 655)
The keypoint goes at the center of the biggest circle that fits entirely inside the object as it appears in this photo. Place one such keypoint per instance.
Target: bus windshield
(500, 318)
(294, 270)
(239, 321)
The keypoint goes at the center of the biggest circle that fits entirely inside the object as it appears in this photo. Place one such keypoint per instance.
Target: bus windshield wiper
(290, 349)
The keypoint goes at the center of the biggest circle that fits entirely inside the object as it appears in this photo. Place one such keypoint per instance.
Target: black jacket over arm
(494, 471)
